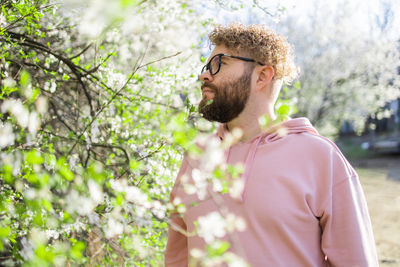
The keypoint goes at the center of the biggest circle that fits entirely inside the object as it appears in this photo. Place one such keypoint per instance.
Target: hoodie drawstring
(292, 126)
(248, 163)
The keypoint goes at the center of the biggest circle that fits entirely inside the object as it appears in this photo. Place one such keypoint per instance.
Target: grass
(351, 148)
(383, 198)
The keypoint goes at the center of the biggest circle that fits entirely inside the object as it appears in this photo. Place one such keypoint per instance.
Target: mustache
(209, 85)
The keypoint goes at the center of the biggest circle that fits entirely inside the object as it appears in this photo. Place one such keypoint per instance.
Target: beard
(229, 100)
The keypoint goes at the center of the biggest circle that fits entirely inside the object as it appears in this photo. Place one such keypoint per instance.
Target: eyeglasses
(214, 64)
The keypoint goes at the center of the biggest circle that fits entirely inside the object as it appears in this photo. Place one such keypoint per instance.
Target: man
(301, 203)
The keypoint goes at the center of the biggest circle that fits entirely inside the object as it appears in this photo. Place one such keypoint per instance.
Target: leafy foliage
(91, 131)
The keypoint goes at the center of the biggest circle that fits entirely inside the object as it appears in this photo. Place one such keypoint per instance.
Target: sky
(361, 12)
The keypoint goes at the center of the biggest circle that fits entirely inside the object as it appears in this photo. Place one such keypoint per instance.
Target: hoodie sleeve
(176, 252)
(347, 237)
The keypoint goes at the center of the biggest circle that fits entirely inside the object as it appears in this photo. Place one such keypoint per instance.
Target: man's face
(225, 94)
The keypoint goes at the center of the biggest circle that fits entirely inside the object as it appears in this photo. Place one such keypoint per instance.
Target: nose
(205, 76)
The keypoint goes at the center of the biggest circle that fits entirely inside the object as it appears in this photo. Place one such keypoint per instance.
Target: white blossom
(94, 218)
(16, 108)
(113, 228)
(196, 253)
(30, 193)
(236, 189)
(9, 82)
(94, 131)
(27, 249)
(189, 189)
(200, 182)
(6, 135)
(211, 226)
(234, 223)
(73, 160)
(87, 140)
(41, 104)
(159, 209)
(95, 191)
(176, 201)
(213, 154)
(217, 185)
(52, 234)
(34, 123)
(80, 204)
(132, 193)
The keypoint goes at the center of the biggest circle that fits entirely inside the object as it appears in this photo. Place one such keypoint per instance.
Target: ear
(265, 74)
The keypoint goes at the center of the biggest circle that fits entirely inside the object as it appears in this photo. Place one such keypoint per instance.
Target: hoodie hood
(272, 134)
(277, 131)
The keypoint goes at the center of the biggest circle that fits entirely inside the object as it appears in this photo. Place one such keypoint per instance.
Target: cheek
(253, 83)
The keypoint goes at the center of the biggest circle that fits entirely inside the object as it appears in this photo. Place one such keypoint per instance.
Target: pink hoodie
(302, 203)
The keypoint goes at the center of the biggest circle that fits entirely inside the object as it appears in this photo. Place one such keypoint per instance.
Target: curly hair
(262, 44)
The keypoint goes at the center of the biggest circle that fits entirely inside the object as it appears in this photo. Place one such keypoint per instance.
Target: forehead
(221, 49)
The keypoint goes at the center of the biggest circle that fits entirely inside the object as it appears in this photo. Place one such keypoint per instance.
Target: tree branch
(83, 51)
(93, 144)
(26, 41)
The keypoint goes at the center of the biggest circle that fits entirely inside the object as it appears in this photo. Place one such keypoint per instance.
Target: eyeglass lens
(213, 65)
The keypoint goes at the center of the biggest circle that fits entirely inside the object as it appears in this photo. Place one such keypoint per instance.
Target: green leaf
(134, 165)
(25, 78)
(43, 253)
(235, 170)
(35, 94)
(66, 173)
(38, 219)
(284, 110)
(127, 3)
(119, 199)
(34, 158)
(66, 77)
(47, 205)
(32, 178)
(297, 85)
(77, 249)
(219, 173)
(8, 177)
(217, 248)
(4, 232)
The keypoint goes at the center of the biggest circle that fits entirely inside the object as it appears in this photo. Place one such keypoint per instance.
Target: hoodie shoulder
(323, 152)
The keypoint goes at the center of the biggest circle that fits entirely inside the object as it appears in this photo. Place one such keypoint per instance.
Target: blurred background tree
(347, 51)
(349, 62)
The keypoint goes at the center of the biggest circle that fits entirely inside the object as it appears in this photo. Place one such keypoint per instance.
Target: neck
(249, 125)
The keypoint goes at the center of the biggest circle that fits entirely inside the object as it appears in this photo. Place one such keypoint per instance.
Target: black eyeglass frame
(209, 68)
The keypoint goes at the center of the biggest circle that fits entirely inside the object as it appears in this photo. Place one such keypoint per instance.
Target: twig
(26, 15)
(93, 144)
(110, 100)
(157, 60)
(26, 41)
(59, 118)
(83, 51)
(153, 152)
(255, 2)
(98, 65)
